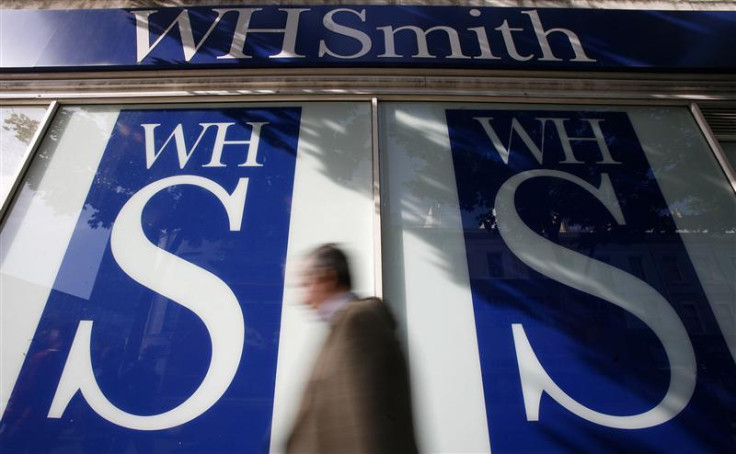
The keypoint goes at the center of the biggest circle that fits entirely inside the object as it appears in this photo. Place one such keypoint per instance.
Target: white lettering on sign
(195, 288)
(508, 40)
(288, 44)
(538, 150)
(184, 154)
(389, 34)
(590, 276)
(542, 35)
(329, 22)
(469, 43)
(143, 43)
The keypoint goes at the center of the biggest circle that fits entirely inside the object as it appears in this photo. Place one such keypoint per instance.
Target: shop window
(495, 264)
(730, 149)
(722, 121)
(691, 317)
(728, 313)
(636, 264)
(576, 196)
(671, 269)
(173, 235)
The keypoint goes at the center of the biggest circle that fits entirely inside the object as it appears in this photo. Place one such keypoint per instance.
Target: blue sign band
(368, 36)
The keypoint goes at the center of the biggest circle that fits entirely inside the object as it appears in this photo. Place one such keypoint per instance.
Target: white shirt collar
(327, 310)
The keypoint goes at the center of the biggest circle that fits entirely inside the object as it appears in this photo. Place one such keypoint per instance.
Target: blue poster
(167, 343)
(594, 332)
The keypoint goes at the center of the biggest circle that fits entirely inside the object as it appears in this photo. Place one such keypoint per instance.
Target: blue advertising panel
(593, 329)
(170, 344)
(368, 36)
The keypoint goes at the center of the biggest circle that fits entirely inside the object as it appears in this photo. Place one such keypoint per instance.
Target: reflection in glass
(677, 223)
(203, 245)
(148, 351)
(19, 124)
(730, 149)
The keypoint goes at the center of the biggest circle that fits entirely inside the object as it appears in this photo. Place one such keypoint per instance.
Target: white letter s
(194, 288)
(588, 275)
(330, 24)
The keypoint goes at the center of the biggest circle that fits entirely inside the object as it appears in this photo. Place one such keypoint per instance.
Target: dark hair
(331, 257)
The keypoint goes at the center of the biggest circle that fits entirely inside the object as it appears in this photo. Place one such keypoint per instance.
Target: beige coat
(357, 399)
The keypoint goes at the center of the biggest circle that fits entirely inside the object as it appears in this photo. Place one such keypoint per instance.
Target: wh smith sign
(368, 36)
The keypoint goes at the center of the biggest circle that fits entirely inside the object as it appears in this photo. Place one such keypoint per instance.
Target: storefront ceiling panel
(223, 84)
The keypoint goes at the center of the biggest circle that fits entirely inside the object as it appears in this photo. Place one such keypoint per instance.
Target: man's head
(326, 274)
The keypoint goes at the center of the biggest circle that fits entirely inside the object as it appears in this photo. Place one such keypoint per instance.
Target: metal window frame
(377, 239)
(448, 84)
(26, 160)
(715, 145)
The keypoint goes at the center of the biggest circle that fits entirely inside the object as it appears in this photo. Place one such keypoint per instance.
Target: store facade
(547, 203)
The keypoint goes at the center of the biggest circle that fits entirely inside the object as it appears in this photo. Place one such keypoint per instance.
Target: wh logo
(184, 283)
(585, 274)
(183, 154)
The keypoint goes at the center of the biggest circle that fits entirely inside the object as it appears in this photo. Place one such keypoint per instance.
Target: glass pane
(19, 124)
(730, 149)
(567, 275)
(146, 286)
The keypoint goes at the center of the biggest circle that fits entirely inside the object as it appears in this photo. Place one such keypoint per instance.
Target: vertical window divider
(715, 146)
(377, 241)
(28, 157)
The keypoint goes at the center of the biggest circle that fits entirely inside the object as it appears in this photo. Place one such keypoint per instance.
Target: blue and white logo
(175, 346)
(583, 341)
